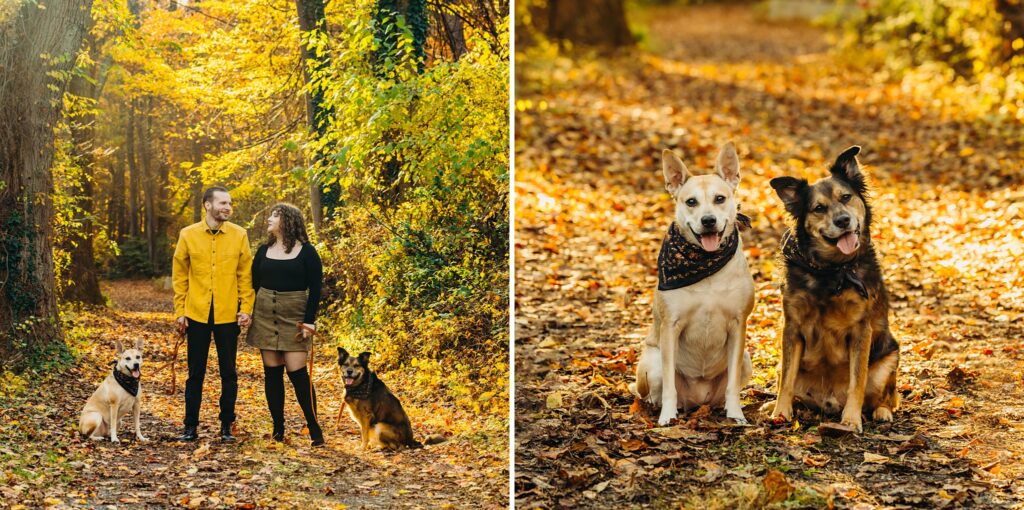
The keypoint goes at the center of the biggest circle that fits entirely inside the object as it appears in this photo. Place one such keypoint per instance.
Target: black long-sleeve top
(300, 273)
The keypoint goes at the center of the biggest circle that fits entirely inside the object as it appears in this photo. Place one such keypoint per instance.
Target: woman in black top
(286, 273)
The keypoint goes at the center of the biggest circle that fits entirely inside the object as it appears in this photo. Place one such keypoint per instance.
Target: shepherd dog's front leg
(792, 351)
(860, 350)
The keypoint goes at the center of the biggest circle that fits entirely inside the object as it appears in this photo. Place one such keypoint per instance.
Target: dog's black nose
(842, 221)
(708, 221)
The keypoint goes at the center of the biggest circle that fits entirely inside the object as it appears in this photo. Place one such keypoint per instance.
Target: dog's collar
(681, 263)
(361, 391)
(129, 383)
(840, 276)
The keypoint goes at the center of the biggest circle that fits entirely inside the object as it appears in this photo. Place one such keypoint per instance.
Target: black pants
(225, 336)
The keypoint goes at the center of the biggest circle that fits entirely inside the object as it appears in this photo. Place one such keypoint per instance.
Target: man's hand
(244, 319)
(181, 324)
(308, 330)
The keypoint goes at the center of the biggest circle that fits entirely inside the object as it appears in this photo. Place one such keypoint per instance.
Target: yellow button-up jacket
(212, 268)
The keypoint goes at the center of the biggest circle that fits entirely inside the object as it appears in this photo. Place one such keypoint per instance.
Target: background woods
(385, 120)
(388, 116)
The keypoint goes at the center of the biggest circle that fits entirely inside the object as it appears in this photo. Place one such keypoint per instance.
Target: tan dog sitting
(695, 354)
(119, 393)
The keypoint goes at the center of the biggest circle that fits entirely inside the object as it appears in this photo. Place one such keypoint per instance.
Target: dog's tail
(431, 439)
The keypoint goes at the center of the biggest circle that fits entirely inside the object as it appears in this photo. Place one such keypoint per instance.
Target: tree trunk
(589, 22)
(454, 34)
(148, 182)
(386, 13)
(133, 175)
(83, 283)
(197, 181)
(37, 48)
(312, 20)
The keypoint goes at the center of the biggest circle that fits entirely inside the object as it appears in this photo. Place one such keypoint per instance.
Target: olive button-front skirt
(274, 319)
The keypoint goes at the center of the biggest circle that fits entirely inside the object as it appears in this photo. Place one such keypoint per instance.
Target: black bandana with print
(837, 277)
(361, 391)
(129, 383)
(682, 263)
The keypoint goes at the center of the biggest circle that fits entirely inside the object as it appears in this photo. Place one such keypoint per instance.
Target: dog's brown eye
(719, 199)
(820, 208)
(692, 202)
(845, 198)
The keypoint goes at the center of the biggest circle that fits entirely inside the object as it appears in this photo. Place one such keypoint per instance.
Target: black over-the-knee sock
(300, 380)
(273, 385)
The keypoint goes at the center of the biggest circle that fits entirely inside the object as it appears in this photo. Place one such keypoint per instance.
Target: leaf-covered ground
(591, 211)
(43, 461)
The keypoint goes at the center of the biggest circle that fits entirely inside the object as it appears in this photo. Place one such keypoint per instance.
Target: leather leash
(179, 339)
(309, 363)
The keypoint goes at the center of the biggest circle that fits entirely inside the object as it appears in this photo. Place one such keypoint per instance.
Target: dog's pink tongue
(848, 243)
(710, 242)
(136, 373)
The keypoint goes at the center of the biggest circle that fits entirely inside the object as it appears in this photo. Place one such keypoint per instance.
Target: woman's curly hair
(292, 226)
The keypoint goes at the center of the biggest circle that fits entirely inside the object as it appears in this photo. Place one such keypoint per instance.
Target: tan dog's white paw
(667, 415)
(740, 420)
(780, 413)
(141, 437)
(853, 421)
(882, 414)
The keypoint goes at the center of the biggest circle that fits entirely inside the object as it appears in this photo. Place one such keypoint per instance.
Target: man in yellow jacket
(213, 294)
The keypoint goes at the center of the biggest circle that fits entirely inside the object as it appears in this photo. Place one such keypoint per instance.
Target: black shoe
(189, 434)
(317, 441)
(278, 433)
(316, 435)
(225, 433)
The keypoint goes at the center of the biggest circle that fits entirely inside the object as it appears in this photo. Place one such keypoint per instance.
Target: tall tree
(84, 285)
(390, 50)
(316, 60)
(589, 22)
(38, 48)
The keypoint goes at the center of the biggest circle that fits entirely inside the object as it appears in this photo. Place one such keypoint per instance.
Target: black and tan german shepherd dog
(837, 350)
(381, 419)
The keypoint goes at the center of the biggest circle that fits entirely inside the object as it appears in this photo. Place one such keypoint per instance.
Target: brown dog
(381, 419)
(837, 350)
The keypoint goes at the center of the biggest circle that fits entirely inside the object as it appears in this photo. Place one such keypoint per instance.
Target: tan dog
(699, 333)
(114, 399)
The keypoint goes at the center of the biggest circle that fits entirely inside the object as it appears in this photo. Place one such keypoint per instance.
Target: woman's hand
(308, 330)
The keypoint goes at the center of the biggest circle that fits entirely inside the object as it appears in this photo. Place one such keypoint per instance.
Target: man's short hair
(208, 194)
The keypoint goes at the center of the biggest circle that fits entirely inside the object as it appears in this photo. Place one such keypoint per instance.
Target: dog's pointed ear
(342, 354)
(728, 164)
(119, 347)
(675, 171)
(364, 359)
(847, 168)
(791, 190)
(139, 343)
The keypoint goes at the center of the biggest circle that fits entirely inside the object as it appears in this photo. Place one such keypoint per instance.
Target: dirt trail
(48, 464)
(591, 212)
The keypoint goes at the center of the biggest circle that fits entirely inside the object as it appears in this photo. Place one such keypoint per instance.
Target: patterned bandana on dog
(361, 391)
(836, 276)
(129, 383)
(682, 263)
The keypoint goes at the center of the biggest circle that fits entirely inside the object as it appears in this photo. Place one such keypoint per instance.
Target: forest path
(46, 463)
